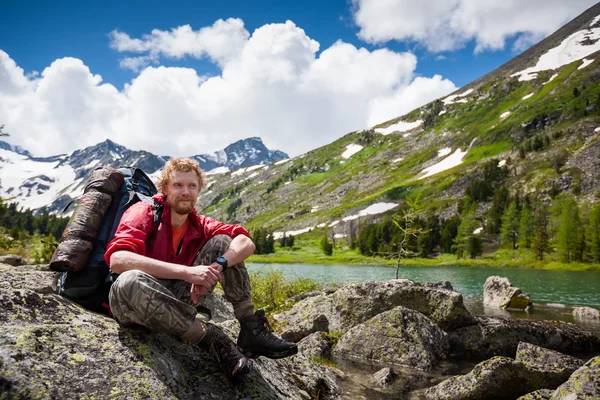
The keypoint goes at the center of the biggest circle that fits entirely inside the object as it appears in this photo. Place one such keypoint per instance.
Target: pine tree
(592, 235)
(326, 246)
(509, 231)
(527, 228)
(465, 243)
(449, 232)
(541, 240)
(569, 235)
(494, 216)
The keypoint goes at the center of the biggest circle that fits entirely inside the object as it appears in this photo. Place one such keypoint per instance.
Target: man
(165, 272)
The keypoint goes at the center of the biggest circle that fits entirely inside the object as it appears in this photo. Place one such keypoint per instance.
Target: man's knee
(215, 247)
(219, 241)
(131, 278)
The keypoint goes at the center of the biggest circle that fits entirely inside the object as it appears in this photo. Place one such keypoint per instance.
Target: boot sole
(270, 354)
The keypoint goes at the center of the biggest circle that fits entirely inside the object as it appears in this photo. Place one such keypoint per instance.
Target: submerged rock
(52, 348)
(499, 336)
(356, 303)
(583, 384)
(586, 313)
(498, 292)
(400, 337)
(384, 377)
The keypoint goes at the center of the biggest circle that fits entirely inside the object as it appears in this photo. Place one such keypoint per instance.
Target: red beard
(183, 208)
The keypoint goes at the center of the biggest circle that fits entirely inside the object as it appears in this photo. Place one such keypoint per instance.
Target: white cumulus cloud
(444, 25)
(273, 83)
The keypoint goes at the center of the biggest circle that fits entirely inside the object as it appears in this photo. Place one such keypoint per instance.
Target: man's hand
(203, 278)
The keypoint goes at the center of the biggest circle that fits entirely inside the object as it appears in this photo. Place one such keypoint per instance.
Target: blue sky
(80, 29)
(376, 60)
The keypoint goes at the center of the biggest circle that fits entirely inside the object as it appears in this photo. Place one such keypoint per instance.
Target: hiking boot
(216, 343)
(256, 338)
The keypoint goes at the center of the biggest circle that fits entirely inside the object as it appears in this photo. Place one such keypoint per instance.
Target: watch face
(222, 261)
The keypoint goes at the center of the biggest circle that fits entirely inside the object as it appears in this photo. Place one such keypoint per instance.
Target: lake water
(554, 293)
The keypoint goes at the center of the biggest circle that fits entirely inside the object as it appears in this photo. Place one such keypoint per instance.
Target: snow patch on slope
(449, 162)
(351, 149)
(373, 209)
(527, 96)
(571, 49)
(399, 127)
(585, 63)
(453, 99)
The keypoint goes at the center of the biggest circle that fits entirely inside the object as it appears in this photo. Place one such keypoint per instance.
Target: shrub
(271, 289)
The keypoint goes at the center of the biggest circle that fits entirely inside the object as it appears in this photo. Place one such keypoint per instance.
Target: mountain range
(537, 117)
(52, 182)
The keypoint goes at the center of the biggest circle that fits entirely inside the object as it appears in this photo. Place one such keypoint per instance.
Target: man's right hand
(205, 276)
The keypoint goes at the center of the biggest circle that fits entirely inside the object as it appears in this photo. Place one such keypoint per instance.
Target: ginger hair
(180, 165)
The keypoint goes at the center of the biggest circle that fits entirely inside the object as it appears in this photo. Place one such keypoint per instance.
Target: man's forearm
(122, 261)
(241, 247)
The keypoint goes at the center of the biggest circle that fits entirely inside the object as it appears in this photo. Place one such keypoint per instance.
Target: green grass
(307, 251)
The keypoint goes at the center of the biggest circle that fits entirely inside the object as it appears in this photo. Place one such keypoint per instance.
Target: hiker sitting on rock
(166, 272)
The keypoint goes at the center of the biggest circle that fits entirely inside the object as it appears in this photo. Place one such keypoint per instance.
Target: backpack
(84, 276)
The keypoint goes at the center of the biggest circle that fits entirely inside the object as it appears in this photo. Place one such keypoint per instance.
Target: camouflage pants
(137, 298)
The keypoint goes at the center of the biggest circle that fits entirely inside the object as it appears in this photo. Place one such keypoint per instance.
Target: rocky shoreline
(400, 332)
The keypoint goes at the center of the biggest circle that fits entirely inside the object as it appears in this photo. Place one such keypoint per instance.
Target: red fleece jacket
(137, 233)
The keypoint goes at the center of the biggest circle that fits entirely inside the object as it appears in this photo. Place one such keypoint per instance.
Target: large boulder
(555, 367)
(400, 336)
(498, 292)
(499, 336)
(586, 313)
(52, 348)
(583, 384)
(535, 368)
(356, 303)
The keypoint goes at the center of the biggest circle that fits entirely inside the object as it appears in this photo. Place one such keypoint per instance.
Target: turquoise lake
(554, 293)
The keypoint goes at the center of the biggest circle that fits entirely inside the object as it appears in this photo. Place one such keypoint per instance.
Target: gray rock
(356, 303)
(498, 292)
(586, 313)
(12, 259)
(495, 378)
(315, 345)
(583, 384)
(384, 377)
(52, 348)
(26, 278)
(499, 336)
(555, 363)
(221, 309)
(542, 394)
(504, 378)
(400, 337)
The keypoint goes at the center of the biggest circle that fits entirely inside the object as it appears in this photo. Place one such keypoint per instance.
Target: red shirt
(137, 233)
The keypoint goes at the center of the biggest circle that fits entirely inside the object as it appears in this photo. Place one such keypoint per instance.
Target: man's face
(182, 191)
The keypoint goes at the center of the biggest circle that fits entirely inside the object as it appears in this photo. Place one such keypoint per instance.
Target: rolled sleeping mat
(71, 255)
(77, 240)
(105, 179)
(87, 216)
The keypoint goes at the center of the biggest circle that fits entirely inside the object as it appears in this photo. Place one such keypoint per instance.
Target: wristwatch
(222, 261)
